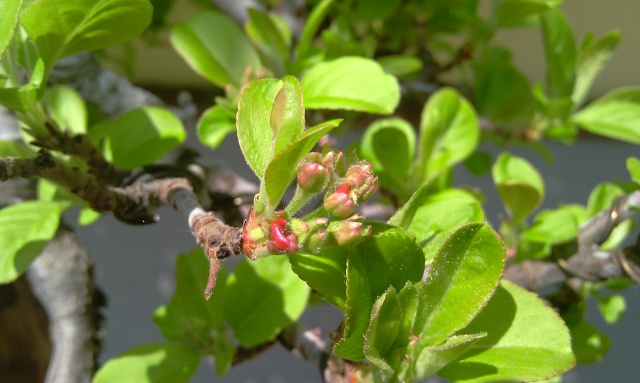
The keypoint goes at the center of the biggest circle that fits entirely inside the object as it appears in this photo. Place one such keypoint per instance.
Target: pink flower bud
(349, 232)
(312, 177)
(281, 240)
(363, 179)
(340, 203)
(335, 162)
(315, 241)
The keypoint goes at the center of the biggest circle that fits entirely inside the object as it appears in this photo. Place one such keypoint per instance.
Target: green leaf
(352, 83)
(560, 53)
(479, 163)
(526, 341)
(152, 363)
(387, 257)
(400, 65)
(139, 137)
(633, 166)
(287, 115)
(433, 359)
(612, 307)
(324, 272)
(556, 226)
(462, 278)
(439, 215)
(24, 97)
(511, 13)
(15, 149)
(215, 47)
(282, 169)
(589, 344)
(519, 185)
(254, 122)
(272, 36)
(449, 132)
(25, 229)
(63, 28)
(313, 22)
(389, 144)
(593, 56)
(602, 197)
(8, 21)
(500, 86)
(403, 216)
(616, 115)
(268, 296)
(214, 125)
(67, 109)
(375, 9)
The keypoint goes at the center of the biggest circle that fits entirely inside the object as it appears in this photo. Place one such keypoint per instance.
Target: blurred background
(134, 265)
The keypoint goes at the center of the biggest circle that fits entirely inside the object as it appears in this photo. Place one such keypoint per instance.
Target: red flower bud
(281, 240)
(340, 203)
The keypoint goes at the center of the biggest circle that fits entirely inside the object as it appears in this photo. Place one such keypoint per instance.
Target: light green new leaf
(215, 47)
(560, 53)
(254, 122)
(67, 109)
(556, 226)
(313, 22)
(462, 278)
(449, 132)
(352, 83)
(592, 57)
(287, 115)
(526, 341)
(389, 144)
(272, 37)
(24, 97)
(511, 13)
(602, 197)
(519, 185)
(387, 257)
(214, 125)
(324, 272)
(8, 20)
(616, 115)
(612, 307)
(14, 148)
(282, 169)
(633, 166)
(25, 229)
(151, 363)
(589, 344)
(433, 359)
(62, 28)
(400, 65)
(439, 215)
(267, 296)
(139, 137)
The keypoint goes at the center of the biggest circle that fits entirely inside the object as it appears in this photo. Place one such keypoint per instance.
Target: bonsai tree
(428, 286)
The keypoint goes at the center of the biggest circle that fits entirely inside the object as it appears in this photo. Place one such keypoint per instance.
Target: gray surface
(134, 266)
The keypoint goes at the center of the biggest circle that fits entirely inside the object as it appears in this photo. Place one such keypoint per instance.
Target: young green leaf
(526, 341)
(282, 168)
(602, 197)
(556, 226)
(67, 109)
(206, 42)
(214, 125)
(352, 83)
(15, 149)
(152, 363)
(254, 122)
(24, 97)
(433, 359)
(139, 137)
(519, 185)
(389, 144)
(589, 344)
(612, 307)
(500, 86)
(287, 115)
(633, 166)
(592, 57)
(270, 297)
(323, 272)
(313, 22)
(439, 215)
(400, 65)
(8, 21)
(272, 36)
(510, 13)
(63, 28)
(449, 132)
(25, 229)
(560, 53)
(616, 115)
(373, 266)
